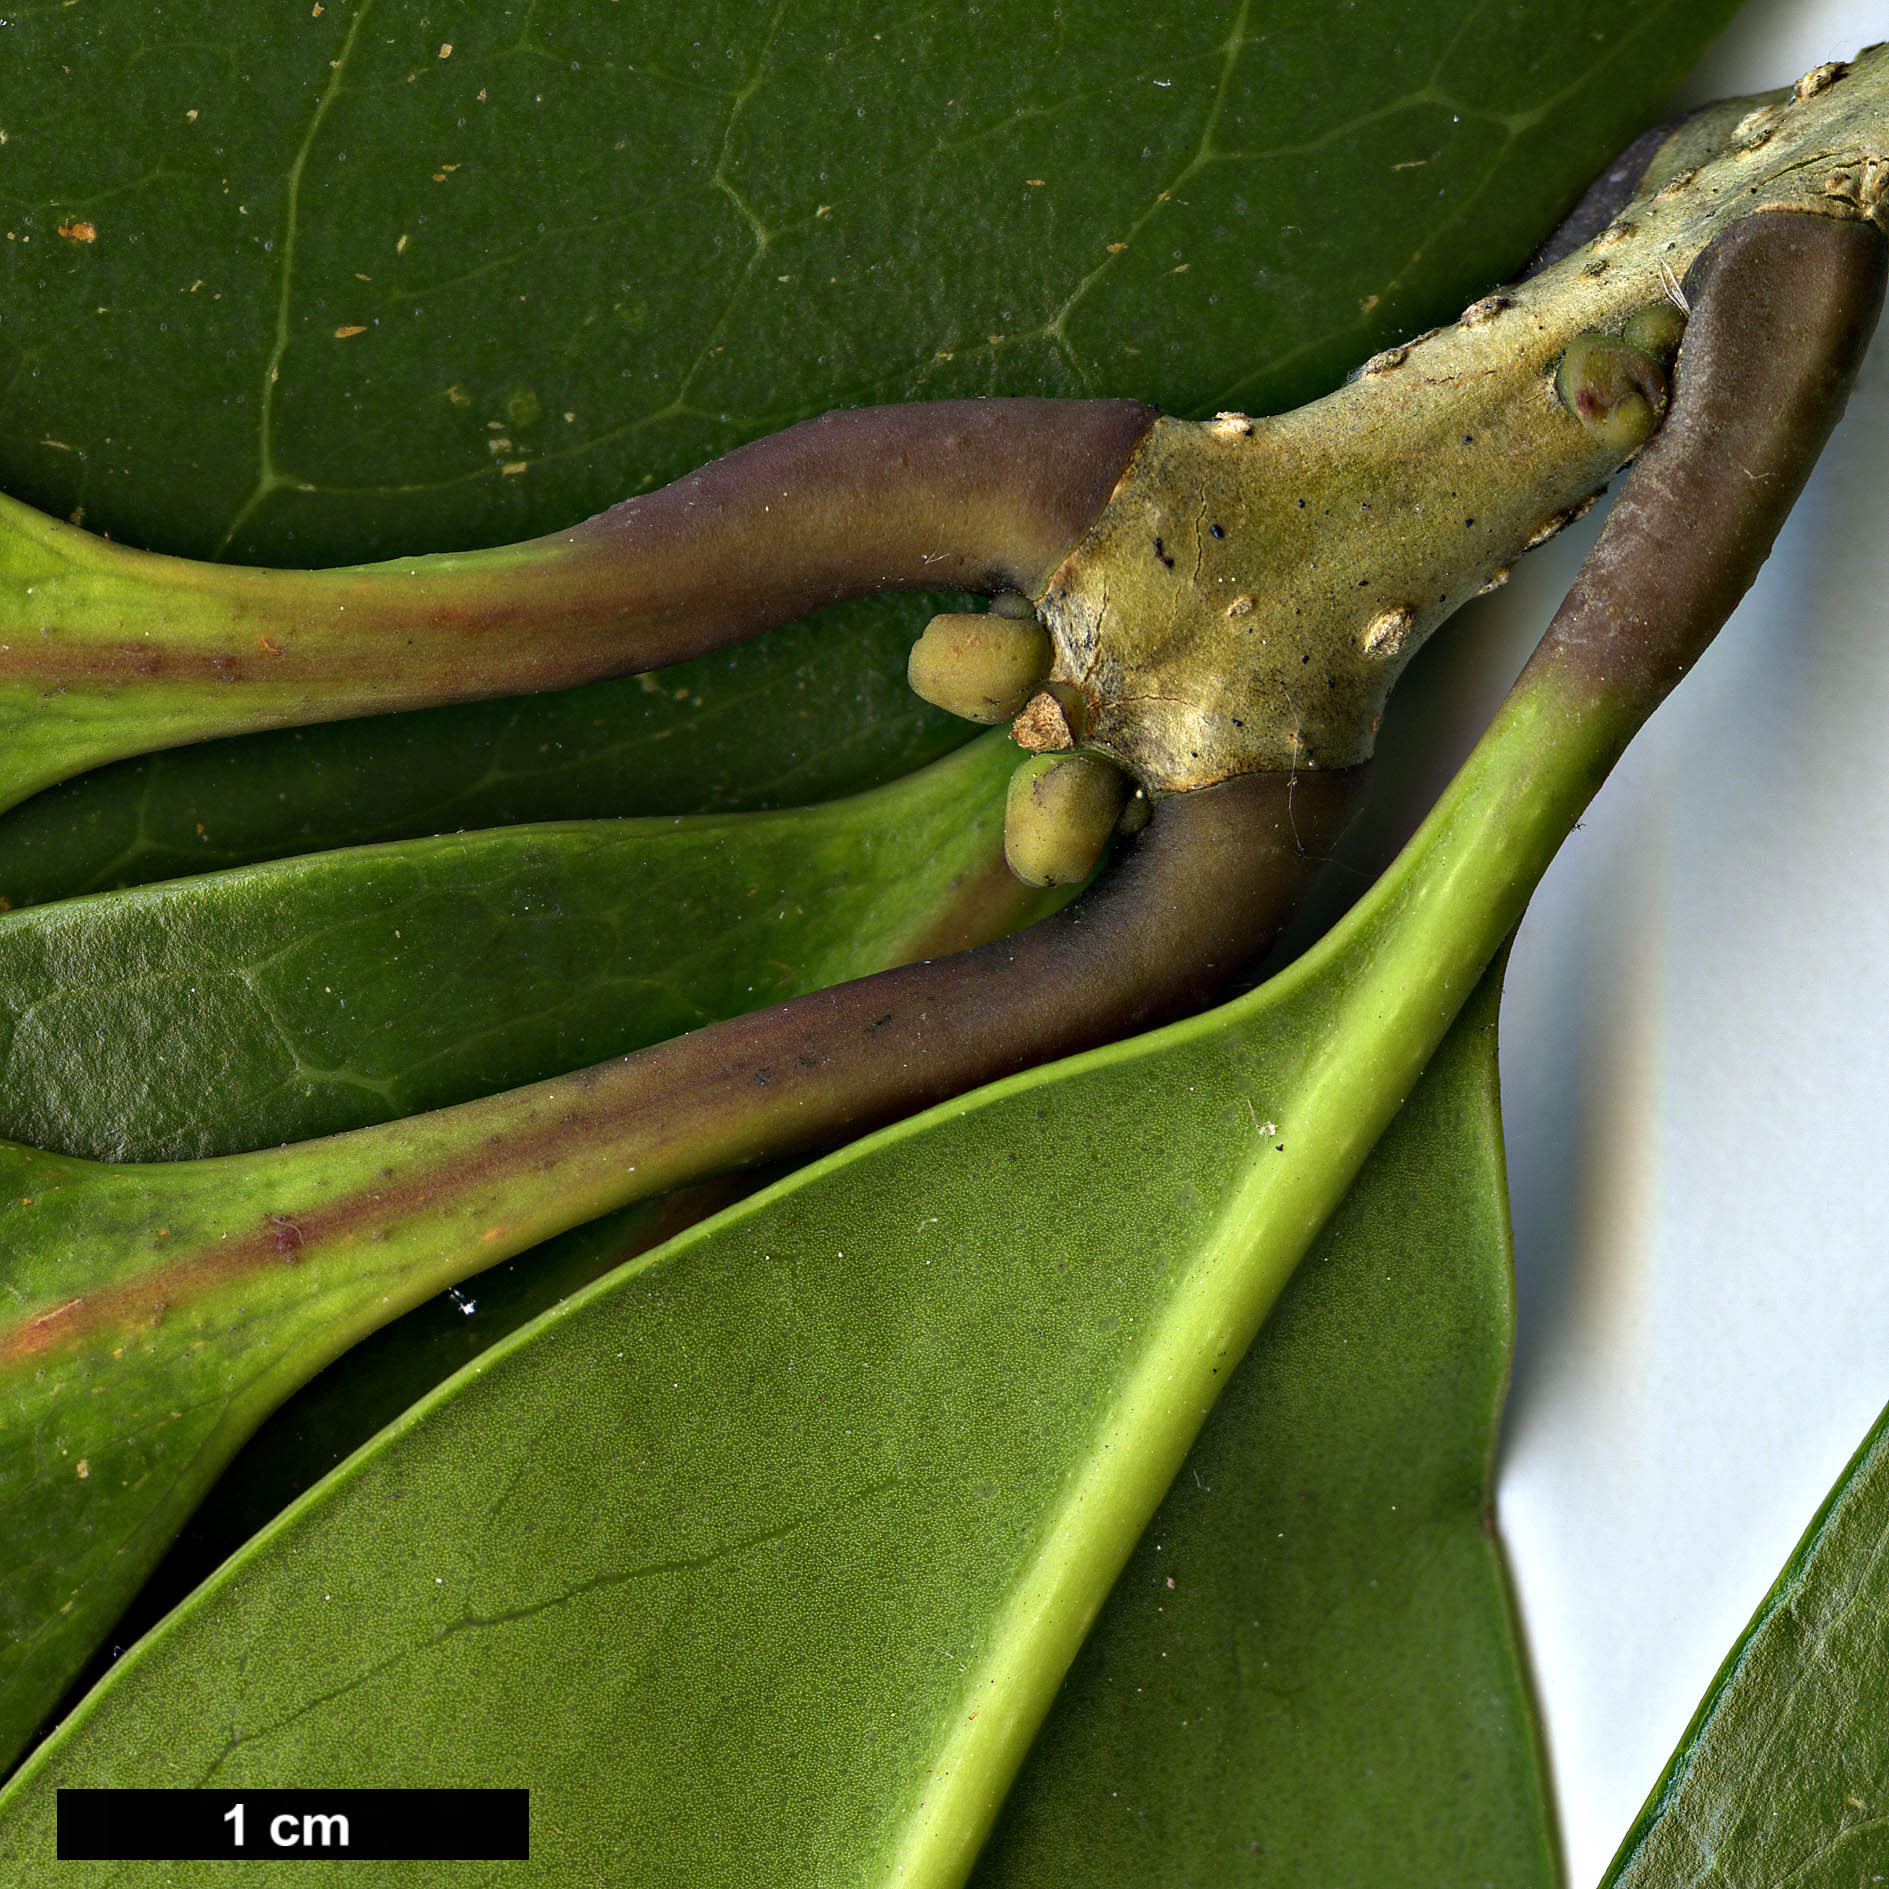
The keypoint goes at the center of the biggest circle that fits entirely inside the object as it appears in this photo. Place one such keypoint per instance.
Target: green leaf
(1274, 201)
(1779, 1777)
(372, 1382)
(605, 243)
(195, 990)
(1145, 1180)
(284, 1002)
(1310, 1655)
(681, 226)
(815, 1549)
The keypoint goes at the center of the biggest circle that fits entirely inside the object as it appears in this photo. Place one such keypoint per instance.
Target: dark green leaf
(283, 1002)
(604, 243)
(594, 246)
(1307, 1673)
(1779, 1778)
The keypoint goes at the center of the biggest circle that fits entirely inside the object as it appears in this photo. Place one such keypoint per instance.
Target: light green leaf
(816, 1549)
(1781, 1774)
(1308, 1673)
(904, 1514)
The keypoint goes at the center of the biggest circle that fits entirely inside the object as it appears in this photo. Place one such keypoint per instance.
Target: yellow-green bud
(1615, 391)
(1656, 331)
(1059, 814)
(981, 667)
(1013, 603)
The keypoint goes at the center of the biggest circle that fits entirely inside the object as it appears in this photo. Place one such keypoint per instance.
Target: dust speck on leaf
(76, 231)
(348, 331)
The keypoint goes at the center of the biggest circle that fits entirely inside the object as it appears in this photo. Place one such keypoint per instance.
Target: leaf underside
(1779, 1778)
(1307, 1673)
(751, 1550)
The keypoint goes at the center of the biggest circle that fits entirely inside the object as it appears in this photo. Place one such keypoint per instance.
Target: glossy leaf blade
(401, 301)
(461, 299)
(1308, 1672)
(1779, 1776)
(289, 1001)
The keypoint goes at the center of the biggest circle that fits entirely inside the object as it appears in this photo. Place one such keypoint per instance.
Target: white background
(1696, 1093)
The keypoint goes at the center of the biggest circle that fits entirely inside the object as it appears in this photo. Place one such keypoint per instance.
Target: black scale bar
(314, 1826)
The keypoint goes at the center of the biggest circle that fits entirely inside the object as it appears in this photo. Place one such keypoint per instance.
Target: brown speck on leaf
(1043, 728)
(1366, 303)
(348, 332)
(268, 645)
(458, 396)
(75, 231)
(446, 50)
(1036, 183)
(1240, 607)
(82, 1468)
